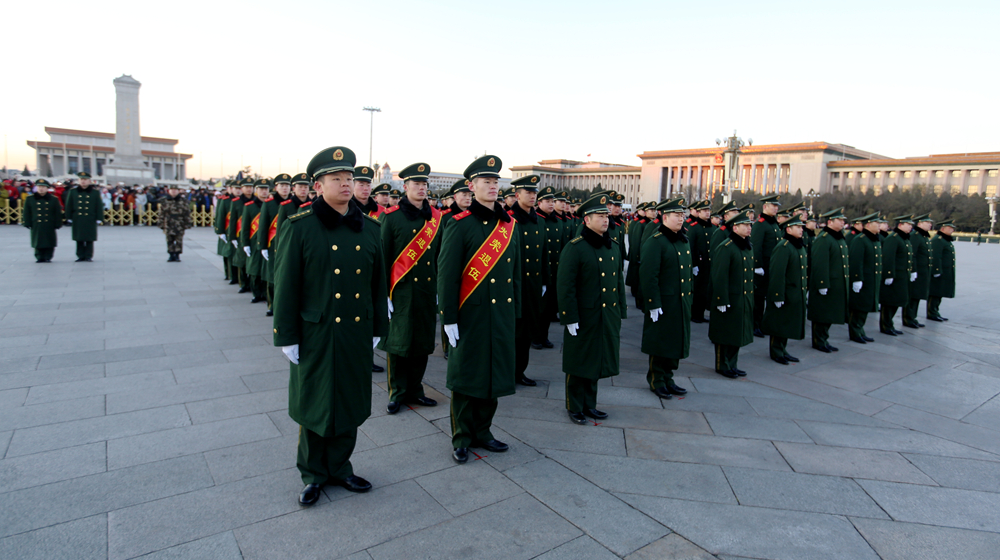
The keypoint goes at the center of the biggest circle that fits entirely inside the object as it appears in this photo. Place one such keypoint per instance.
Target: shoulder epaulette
(269, 199)
(510, 212)
(300, 214)
(446, 211)
(656, 221)
(223, 197)
(374, 220)
(657, 234)
(289, 201)
(304, 204)
(576, 240)
(390, 210)
(461, 215)
(723, 228)
(728, 242)
(248, 203)
(823, 234)
(760, 219)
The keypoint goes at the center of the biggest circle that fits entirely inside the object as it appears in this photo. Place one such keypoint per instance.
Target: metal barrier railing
(122, 216)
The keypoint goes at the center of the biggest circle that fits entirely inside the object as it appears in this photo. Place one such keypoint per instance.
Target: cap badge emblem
(491, 162)
(338, 154)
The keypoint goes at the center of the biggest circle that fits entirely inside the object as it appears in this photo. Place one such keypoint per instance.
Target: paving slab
(752, 427)
(712, 450)
(674, 547)
(821, 392)
(246, 404)
(864, 437)
(986, 415)
(812, 410)
(965, 392)
(83, 539)
(565, 435)
(99, 386)
(946, 507)
(52, 466)
(959, 473)
(894, 540)
(978, 437)
(48, 377)
(580, 547)
(464, 488)
(164, 362)
(740, 388)
(393, 428)
(853, 463)
(801, 492)
(13, 398)
(51, 413)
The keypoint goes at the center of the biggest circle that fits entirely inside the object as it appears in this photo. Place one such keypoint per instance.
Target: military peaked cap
(331, 160)
(415, 172)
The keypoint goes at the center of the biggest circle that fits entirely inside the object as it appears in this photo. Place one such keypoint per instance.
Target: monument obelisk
(128, 166)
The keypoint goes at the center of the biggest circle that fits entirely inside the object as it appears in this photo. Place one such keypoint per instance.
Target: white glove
(721, 308)
(937, 275)
(236, 244)
(856, 286)
(573, 328)
(292, 353)
(654, 314)
(70, 222)
(263, 253)
(888, 281)
(375, 340)
(823, 291)
(758, 271)
(452, 332)
(100, 223)
(694, 271)
(222, 236)
(543, 290)
(391, 308)
(778, 304)
(913, 277)
(247, 250)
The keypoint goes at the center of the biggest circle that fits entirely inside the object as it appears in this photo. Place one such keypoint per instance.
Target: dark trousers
(933, 307)
(444, 341)
(175, 242)
(522, 348)
(84, 249)
(44, 254)
(241, 276)
(759, 290)
(820, 334)
(910, 312)
(888, 314)
(701, 295)
(726, 357)
(258, 287)
(778, 346)
(856, 323)
(471, 419)
(405, 376)
(325, 459)
(661, 371)
(581, 393)
(226, 267)
(637, 294)
(269, 289)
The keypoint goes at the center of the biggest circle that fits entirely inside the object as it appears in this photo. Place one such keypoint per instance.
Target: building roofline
(972, 159)
(765, 149)
(577, 170)
(91, 133)
(103, 149)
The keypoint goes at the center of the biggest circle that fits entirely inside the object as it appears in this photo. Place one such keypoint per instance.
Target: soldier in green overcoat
(531, 328)
(267, 229)
(919, 288)
(897, 273)
(174, 218)
(479, 287)
(329, 306)
(249, 239)
(461, 196)
(223, 249)
(648, 231)
(84, 211)
(238, 259)
(942, 270)
(632, 255)
(731, 317)
(788, 282)
(553, 248)
(43, 216)
(700, 230)
(765, 236)
(866, 277)
(411, 240)
(592, 304)
(721, 233)
(829, 270)
(667, 286)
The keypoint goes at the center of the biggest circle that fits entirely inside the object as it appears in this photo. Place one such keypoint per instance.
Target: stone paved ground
(143, 413)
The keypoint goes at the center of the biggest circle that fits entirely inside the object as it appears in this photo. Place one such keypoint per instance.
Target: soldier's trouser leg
(778, 346)
(910, 311)
(444, 341)
(175, 242)
(325, 459)
(888, 313)
(269, 289)
(726, 357)
(234, 273)
(759, 290)
(258, 287)
(820, 334)
(84, 249)
(700, 302)
(856, 323)
(933, 307)
(661, 371)
(637, 294)
(244, 277)
(581, 393)
(522, 348)
(471, 419)
(45, 254)
(226, 266)
(405, 376)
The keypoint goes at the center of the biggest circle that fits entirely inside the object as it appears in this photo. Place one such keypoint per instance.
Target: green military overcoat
(330, 299)
(634, 238)
(866, 267)
(222, 248)
(534, 266)
(920, 242)
(700, 237)
(239, 258)
(268, 222)
(942, 266)
(829, 270)
(248, 236)
(591, 293)
(732, 286)
(666, 281)
(897, 263)
(765, 236)
(482, 363)
(43, 215)
(85, 208)
(787, 282)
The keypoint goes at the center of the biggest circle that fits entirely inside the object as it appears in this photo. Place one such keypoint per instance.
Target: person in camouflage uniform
(174, 218)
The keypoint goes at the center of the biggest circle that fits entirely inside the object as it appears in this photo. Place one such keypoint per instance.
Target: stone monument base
(128, 174)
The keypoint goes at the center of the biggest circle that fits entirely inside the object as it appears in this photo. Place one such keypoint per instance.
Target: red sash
(411, 254)
(227, 221)
(239, 226)
(272, 231)
(377, 213)
(484, 259)
(254, 225)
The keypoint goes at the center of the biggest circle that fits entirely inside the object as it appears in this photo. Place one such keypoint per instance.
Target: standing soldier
(329, 305)
(363, 176)
(410, 244)
(534, 276)
(394, 196)
(616, 227)
(174, 218)
(591, 305)
(785, 316)
(897, 273)
(828, 292)
(509, 198)
(479, 285)
(942, 270)
(381, 195)
(299, 199)
(248, 239)
(84, 211)
(43, 216)
(700, 230)
(461, 196)
(239, 259)
(920, 285)
(647, 231)
(266, 230)
(765, 236)
(632, 252)
(220, 225)
(727, 211)
(667, 287)
(731, 319)
(553, 248)
(866, 277)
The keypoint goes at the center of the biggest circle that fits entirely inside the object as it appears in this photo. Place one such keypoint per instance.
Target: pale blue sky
(522, 80)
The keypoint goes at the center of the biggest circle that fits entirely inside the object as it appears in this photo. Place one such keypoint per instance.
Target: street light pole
(371, 130)
(993, 213)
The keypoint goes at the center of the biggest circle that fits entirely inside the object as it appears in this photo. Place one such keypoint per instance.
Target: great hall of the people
(782, 168)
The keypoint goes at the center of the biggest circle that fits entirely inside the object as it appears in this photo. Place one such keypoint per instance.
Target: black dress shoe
(92, 260)
(548, 344)
(233, 282)
(727, 373)
(858, 340)
(739, 372)
(595, 414)
(377, 368)
(494, 445)
(676, 389)
(393, 407)
(536, 345)
(258, 300)
(758, 333)
(662, 392)
(822, 348)
(424, 401)
(791, 358)
(269, 313)
(921, 325)
(310, 494)
(577, 417)
(911, 325)
(833, 348)
(355, 484)
(780, 359)
(39, 261)
(460, 455)
(80, 260)
(867, 339)
(243, 290)
(937, 319)
(698, 320)
(525, 381)
(898, 332)
(888, 332)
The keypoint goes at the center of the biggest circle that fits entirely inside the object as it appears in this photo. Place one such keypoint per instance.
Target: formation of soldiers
(342, 264)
